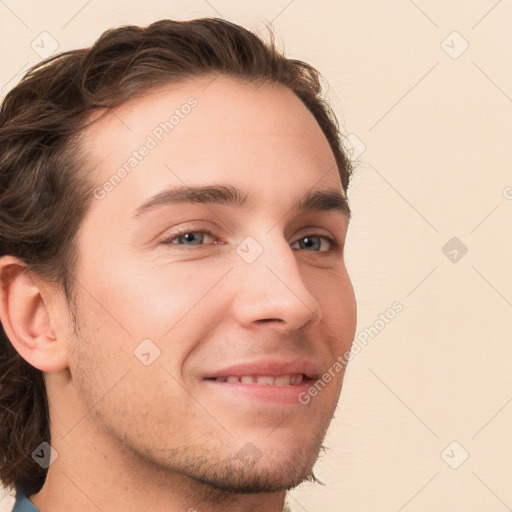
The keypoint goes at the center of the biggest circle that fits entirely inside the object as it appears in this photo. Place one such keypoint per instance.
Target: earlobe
(26, 320)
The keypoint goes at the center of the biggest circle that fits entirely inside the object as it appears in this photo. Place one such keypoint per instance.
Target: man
(172, 226)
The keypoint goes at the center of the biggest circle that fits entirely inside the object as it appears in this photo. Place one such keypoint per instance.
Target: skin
(133, 437)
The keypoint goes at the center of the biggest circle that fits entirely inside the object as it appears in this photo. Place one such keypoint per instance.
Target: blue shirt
(23, 504)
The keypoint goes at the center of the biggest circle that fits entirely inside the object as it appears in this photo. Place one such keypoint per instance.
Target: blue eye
(194, 237)
(190, 238)
(314, 242)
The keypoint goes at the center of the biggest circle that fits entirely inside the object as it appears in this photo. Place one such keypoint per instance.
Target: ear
(26, 320)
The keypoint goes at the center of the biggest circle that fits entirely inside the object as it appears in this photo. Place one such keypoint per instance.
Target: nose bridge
(271, 285)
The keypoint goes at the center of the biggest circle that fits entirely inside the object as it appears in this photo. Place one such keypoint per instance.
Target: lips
(267, 382)
(264, 380)
(267, 372)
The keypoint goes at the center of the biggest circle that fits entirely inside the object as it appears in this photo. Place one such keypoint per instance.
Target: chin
(251, 472)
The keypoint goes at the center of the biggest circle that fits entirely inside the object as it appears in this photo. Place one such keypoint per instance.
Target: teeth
(284, 380)
(265, 380)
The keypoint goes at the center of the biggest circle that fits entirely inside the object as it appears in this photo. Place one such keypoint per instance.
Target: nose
(271, 289)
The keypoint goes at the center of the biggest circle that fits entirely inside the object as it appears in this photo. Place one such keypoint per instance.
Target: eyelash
(168, 241)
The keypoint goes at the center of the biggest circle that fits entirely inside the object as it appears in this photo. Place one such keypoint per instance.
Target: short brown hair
(45, 192)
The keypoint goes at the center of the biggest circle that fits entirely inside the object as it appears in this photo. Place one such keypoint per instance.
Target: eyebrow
(313, 200)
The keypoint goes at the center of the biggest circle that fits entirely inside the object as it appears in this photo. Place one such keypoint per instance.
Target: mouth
(264, 380)
(269, 382)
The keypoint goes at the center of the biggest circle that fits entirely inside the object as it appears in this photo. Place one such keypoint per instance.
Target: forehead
(209, 129)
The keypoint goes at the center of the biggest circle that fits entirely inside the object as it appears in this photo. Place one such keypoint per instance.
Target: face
(207, 313)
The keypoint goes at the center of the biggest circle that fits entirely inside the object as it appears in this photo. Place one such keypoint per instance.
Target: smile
(264, 380)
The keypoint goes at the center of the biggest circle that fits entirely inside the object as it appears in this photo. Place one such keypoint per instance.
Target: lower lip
(280, 395)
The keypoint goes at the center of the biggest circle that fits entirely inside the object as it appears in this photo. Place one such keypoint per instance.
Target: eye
(188, 238)
(315, 242)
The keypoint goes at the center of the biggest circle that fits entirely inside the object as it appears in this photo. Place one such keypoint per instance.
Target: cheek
(151, 297)
(177, 311)
(143, 406)
(121, 392)
(167, 311)
(336, 296)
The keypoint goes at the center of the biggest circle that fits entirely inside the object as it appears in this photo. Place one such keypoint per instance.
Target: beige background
(436, 124)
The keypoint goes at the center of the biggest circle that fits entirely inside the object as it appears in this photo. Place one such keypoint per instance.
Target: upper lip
(269, 367)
